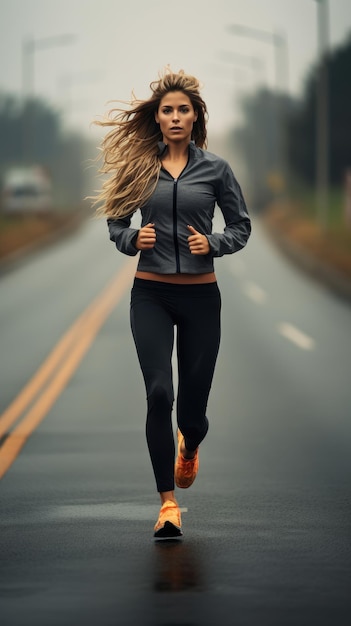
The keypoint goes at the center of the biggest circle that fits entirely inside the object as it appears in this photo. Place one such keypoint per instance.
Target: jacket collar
(162, 147)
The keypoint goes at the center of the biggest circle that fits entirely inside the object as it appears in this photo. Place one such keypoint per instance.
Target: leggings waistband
(164, 287)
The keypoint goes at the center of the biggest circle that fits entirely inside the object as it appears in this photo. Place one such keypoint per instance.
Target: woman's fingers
(198, 243)
(192, 230)
(146, 238)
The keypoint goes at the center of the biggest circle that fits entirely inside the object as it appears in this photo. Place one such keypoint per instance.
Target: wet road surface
(267, 522)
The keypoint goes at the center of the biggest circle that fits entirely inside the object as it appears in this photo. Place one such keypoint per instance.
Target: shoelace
(171, 509)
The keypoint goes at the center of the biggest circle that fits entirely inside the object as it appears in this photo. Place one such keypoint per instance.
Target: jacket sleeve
(122, 235)
(237, 221)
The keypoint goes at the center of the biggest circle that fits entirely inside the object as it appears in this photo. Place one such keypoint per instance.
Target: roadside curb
(315, 267)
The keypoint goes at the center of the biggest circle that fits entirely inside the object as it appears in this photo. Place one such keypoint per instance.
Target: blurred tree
(10, 129)
(33, 134)
(28, 134)
(301, 129)
(261, 142)
(277, 127)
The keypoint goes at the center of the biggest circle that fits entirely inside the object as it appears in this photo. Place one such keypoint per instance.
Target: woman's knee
(160, 394)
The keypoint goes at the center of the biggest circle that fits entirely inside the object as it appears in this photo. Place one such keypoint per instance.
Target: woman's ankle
(187, 454)
(167, 496)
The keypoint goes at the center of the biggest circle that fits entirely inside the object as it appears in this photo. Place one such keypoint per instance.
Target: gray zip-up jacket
(189, 199)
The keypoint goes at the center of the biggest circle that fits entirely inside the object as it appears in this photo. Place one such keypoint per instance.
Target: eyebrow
(186, 104)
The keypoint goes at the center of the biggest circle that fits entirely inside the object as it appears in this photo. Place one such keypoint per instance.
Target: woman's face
(176, 116)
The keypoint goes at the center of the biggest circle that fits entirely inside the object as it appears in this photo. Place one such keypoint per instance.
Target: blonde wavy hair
(130, 150)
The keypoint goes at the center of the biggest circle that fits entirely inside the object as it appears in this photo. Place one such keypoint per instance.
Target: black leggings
(156, 308)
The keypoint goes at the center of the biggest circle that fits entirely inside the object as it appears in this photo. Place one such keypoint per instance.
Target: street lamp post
(281, 60)
(69, 80)
(248, 61)
(29, 47)
(322, 123)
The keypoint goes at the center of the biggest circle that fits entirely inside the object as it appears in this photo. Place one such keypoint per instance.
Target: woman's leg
(198, 338)
(153, 332)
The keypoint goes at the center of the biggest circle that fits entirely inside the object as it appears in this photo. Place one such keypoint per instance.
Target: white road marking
(255, 293)
(296, 336)
(106, 510)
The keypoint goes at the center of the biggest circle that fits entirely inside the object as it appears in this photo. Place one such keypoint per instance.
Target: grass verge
(329, 245)
(22, 232)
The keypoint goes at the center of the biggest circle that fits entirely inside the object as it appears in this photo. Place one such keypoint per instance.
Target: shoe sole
(168, 531)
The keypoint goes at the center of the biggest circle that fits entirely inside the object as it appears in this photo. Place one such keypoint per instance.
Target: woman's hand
(146, 238)
(198, 243)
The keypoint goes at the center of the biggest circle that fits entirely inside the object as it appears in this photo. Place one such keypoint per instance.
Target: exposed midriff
(178, 279)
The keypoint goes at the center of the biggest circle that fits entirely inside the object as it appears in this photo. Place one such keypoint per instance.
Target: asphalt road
(267, 522)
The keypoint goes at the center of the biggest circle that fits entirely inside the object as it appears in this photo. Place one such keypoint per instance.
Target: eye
(184, 109)
(166, 110)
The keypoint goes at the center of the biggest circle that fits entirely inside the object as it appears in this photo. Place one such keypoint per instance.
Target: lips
(175, 128)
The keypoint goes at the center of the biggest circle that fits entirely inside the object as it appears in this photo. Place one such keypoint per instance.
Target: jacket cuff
(214, 244)
(129, 239)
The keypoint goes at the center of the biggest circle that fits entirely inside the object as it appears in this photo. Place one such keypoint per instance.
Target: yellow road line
(66, 357)
(27, 394)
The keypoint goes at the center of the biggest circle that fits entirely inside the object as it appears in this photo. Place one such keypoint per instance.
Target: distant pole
(283, 87)
(280, 49)
(322, 114)
(27, 68)
(281, 59)
(69, 80)
(27, 93)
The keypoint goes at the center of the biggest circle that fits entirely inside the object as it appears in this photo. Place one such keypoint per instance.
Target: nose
(175, 117)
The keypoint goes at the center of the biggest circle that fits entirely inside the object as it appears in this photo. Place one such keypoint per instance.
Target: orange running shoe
(185, 470)
(168, 525)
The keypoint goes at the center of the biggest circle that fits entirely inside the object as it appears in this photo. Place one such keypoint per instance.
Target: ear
(195, 116)
(157, 119)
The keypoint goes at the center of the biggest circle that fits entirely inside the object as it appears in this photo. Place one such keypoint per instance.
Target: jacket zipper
(175, 219)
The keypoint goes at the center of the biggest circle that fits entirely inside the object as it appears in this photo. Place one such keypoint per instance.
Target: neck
(177, 151)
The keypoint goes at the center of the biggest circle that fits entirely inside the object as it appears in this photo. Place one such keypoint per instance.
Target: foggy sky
(121, 46)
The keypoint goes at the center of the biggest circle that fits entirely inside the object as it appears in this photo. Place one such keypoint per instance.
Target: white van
(26, 190)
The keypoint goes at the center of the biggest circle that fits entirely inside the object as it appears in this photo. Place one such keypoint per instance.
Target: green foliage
(261, 142)
(304, 196)
(301, 129)
(278, 134)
